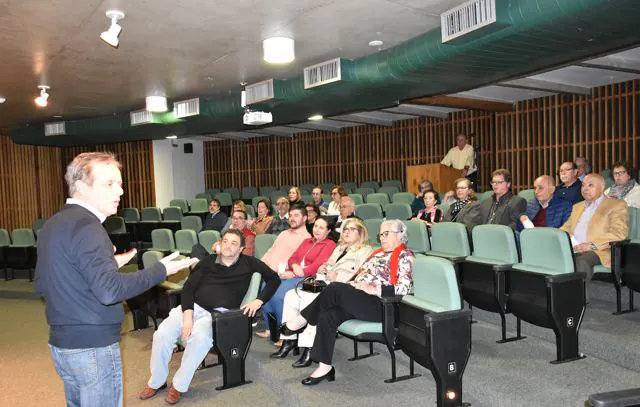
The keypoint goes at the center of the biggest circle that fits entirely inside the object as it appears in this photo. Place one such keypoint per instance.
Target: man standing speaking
(461, 157)
(77, 274)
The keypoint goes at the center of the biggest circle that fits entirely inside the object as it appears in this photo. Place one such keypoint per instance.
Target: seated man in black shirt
(218, 281)
(215, 219)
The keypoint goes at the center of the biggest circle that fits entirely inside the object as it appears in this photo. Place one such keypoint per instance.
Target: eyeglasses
(619, 173)
(385, 234)
(281, 203)
(350, 229)
(462, 187)
(345, 206)
(236, 218)
(497, 182)
(566, 170)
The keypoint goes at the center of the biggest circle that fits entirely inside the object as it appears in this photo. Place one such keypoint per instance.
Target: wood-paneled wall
(137, 170)
(31, 183)
(532, 140)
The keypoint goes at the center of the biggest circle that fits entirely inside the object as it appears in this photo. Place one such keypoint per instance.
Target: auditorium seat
(381, 199)
(545, 290)
(419, 242)
(171, 217)
(117, 230)
(181, 203)
(185, 239)
(527, 194)
(484, 195)
(234, 192)
(286, 187)
(326, 187)
(403, 197)
(484, 276)
(248, 193)
(204, 195)
(373, 228)
(389, 191)
(273, 196)
(262, 244)
(306, 198)
(37, 225)
(369, 211)
(370, 184)
(398, 211)
(350, 186)
(212, 191)
(226, 202)
(162, 241)
(21, 253)
(393, 183)
(307, 187)
(150, 220)
(191, 223)
(450, 240)
(364, 192)
(444, 208)
(5, 241)
(198, 207)
(357, 199)
(131, 218)
(207, 238)
(266, 190)
(250, 211)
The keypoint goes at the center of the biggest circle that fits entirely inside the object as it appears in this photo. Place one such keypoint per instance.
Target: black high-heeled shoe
(284, 330)
(287, 346)
(329, 376)
(305, 358)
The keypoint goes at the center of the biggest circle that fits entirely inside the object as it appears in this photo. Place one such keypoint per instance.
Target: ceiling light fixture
(111, 35)
(157, 104)
(44, 96)
(316, 117)
(2, 99)
(376, 43)
(278, 50)
(172, 137)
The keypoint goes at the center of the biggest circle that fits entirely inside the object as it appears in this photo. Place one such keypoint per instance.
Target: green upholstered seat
(131, 215)
(527, 194)
(393, 183)
(224, 198)
(357, 199)
(191, 222)
(249, 193)
(369, 211)
(400, 211)
(449, 240)
(162, 240)
(185, 239)
(267, 190)
(172, 213)
(555, 246)
(435, 287)
(389, 190)
(151, 214)
(234, 192)
(418, 237)
(370, 184)
(198, 206)
(181, 203)
(207, 238)
(262, 244)
(373, 228)
(403, 197)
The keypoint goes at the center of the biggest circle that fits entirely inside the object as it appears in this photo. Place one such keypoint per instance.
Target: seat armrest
(446, 315)
(391, 300)
(618, 243)
(457, 259)
(565, 278)
(502, 267)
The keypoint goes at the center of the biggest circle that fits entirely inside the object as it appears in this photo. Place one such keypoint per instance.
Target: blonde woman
(295, 196)
(353, 249)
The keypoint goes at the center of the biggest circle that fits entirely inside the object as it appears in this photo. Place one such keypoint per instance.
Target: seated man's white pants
(294, 301)
(196, 348)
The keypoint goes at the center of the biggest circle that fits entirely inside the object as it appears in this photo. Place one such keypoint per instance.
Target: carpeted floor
(512, 374)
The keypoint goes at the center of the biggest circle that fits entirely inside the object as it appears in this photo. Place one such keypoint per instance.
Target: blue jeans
(276, 303)
(92, 376)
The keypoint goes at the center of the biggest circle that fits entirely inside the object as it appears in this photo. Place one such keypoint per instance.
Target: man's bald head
(543, 188)
(593, 187)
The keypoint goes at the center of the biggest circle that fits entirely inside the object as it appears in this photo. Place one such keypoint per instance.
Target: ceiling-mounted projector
(257, 118)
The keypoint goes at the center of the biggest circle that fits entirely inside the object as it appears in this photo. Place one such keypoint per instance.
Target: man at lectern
(461, 157)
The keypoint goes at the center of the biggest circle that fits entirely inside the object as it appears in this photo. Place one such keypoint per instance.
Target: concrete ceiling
(178, 48)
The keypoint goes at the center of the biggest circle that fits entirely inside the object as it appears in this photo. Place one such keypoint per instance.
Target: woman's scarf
(394, 263)
(620, 191)
(457, 206)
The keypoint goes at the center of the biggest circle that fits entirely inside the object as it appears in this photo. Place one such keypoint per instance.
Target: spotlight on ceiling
(157, 104)
(44, 96)
(278, 50)
(111, 35)
(2, 99)
(315, 117)
(172, 137)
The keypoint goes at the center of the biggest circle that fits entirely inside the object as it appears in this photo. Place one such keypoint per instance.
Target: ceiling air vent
(54, 129)
(467, 18)
(323, 73)
(140, 117)
(260, 91)
(186, 108)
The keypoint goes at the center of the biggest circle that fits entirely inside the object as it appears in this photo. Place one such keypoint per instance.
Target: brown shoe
(264, 334)
(173, 396)
(148, 392)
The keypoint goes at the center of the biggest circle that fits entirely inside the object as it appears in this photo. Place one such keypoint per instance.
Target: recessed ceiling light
(111, 35)
(57, 116)
(279, 50)
(172, 137)
(157, 104)
(316, 117)
(2, 99)
(376, 43)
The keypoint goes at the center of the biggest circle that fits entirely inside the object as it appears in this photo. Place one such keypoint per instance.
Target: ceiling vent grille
(55, 129)
(323, 73)
(260, 91)
(466, 18)
(186, 108)
(140, 117)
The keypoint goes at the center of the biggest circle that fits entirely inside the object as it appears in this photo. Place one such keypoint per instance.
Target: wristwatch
(594, 246)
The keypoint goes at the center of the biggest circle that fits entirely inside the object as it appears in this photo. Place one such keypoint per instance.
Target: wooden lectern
(440, 175)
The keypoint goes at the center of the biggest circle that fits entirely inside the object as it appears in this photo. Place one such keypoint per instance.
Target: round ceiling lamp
(156, 104)
(279, 50)
(42, 100)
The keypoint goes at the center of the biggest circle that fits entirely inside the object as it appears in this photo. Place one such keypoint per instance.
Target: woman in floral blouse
(387, 272)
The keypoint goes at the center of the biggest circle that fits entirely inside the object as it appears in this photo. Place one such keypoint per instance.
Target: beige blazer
(609, 223)
(347, 266)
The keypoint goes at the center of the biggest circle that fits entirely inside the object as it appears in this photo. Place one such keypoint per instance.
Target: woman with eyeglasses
(387, 272)
(625, 187)
(352, 250)
(262, 222)
(337, 192)
(430, 214)
(463, 210)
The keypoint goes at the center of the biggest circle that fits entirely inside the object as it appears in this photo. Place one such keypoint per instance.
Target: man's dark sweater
(215, 221)
(78, 277)
(213, 285)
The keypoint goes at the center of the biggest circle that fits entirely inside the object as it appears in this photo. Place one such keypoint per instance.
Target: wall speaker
(188, 148)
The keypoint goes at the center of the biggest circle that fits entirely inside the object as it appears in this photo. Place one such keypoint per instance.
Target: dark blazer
(215, 222)
(469, 215)
(79, 279)
(507, 212)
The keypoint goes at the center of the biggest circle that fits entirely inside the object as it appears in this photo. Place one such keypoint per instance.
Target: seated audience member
(347, 209)
(625, 187)
(583, 167)
(239, 222)
(570, 187)
(318, 200)
(430, 214)
(504, 208)
(465, 208)
(216, 219)
(262, 222)
(312, 214)
(295, 196)
(286, 244)
(352, 251)
(358, 299)
(237, 206)
(337, 193)
(280, 220)
(304, 262)
(546, 209)
(418, 203)
(594, 223)
(218, 281)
